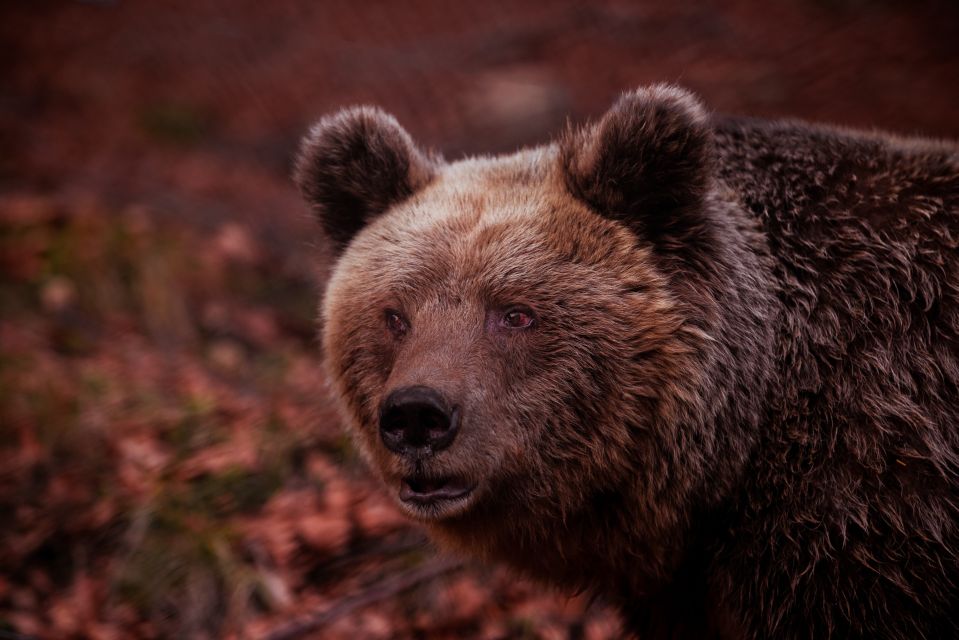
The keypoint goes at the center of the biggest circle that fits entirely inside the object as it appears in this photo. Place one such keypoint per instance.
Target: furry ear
(353, 165)
(647, 162)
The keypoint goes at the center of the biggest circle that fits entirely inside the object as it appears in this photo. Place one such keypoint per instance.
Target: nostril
(434, 423)
(393, 420)
(416, 419)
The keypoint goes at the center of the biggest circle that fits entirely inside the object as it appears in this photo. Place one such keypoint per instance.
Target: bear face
(515, 340)
(469, 273)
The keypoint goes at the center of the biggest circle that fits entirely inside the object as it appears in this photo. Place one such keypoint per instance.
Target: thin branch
(15, 635)
(384, 590)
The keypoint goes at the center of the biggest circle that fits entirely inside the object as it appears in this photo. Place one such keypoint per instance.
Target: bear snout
(417, 421)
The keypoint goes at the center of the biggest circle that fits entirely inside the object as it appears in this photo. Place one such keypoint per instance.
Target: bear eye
(396, 323)
(518, 318)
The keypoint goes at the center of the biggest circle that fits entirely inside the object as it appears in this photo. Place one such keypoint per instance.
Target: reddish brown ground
(168, 462)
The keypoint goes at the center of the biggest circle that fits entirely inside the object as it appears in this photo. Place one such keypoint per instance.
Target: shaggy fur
(737, 412)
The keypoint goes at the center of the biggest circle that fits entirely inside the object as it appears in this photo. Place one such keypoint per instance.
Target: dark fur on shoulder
(848, 516)
(730, 401)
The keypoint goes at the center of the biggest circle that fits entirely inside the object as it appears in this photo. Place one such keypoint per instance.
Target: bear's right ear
(355, 164)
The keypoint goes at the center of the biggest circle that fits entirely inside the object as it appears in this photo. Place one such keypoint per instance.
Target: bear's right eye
(396, 323)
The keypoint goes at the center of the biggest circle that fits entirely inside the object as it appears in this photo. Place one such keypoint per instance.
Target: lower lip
(432, 498)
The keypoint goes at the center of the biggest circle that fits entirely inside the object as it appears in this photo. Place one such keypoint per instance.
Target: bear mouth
(434, 493)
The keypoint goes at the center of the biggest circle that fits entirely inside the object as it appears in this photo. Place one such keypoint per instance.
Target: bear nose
(417, 420)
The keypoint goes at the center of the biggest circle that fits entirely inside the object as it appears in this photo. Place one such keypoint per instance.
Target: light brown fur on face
(462, 247)
(705, 368)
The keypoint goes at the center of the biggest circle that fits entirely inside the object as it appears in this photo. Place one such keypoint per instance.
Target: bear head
(537, 340)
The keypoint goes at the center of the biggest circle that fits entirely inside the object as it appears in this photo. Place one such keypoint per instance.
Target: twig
(410, 541)
(381, 591)
(15, 635)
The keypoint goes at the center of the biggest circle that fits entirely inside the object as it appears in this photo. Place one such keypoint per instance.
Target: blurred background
(169, 462)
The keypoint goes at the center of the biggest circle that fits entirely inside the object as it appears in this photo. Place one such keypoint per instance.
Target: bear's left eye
(518, 318)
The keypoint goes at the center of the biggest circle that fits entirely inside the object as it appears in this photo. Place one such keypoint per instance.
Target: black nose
(417, 420)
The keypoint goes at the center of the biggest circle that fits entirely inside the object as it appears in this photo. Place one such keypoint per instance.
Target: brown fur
(736, 414)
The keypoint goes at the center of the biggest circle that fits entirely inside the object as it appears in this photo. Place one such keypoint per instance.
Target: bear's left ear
(354, 165)
(647, 162)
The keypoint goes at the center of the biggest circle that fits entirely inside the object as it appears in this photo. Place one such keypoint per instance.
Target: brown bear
(705, 368)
